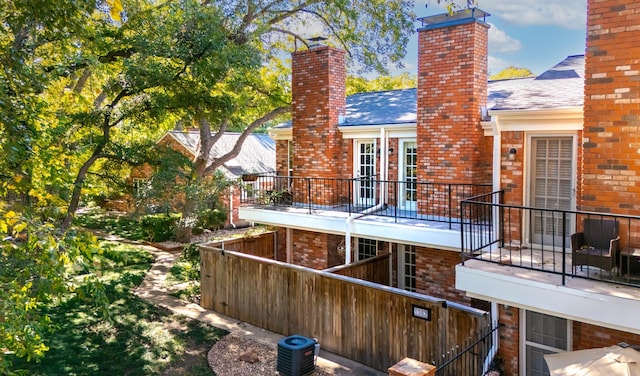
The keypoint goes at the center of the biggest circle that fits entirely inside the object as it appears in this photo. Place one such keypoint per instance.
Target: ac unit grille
(295, 356)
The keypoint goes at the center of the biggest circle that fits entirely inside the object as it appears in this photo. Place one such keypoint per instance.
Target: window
(367, 248)
(139, 186)
(407, 267)
(543, 334)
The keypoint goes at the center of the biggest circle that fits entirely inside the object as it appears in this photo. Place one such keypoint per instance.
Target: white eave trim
(373, 131)
(557, 119)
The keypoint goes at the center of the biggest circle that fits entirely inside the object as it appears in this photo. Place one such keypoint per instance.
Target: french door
(552, 178)
(365, 172)
(409, 175)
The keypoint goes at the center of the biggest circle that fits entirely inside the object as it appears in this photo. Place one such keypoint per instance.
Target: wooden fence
(374, 269)
(369, 323)
(261, 245)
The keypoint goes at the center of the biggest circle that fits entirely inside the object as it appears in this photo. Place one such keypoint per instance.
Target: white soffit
(596, 303)
(559, 119)
(373, 131)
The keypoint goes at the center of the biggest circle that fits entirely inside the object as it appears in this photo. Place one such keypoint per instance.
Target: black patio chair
(596, 245)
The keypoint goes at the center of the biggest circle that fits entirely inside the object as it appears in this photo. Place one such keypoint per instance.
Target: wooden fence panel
(261, 245)
(374, 269)
(363, 321)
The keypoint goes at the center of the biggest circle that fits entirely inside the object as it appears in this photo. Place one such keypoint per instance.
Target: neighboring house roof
(258, 153)
(562, 86)
(559, 87)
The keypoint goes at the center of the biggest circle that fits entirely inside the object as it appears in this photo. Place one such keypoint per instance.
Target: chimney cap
(446, 19)
(316, 41)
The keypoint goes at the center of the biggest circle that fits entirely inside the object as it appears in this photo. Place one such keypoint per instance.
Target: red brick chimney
(611, 136)
(452, 90)
(318, 91)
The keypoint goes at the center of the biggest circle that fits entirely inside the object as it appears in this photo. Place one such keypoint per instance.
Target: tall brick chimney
(611, 136)
(318, 92)
(452, 89)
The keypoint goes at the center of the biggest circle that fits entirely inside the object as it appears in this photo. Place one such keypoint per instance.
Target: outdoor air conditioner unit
(296, 356)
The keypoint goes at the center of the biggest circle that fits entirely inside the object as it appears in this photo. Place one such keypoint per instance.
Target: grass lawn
(137, 338)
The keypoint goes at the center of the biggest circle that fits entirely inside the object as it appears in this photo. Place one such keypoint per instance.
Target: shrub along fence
(369, 323)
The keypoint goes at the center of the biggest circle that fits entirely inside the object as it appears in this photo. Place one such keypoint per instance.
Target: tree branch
(238, 146)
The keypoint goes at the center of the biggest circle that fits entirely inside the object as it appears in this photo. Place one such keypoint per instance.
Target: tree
(85, 89)
(512, 72)
(357, 84)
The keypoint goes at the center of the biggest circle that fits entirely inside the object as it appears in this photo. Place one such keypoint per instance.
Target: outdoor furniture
(596, 245)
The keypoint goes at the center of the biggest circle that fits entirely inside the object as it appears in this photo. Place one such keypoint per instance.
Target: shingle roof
(561, 86)
(258, 153)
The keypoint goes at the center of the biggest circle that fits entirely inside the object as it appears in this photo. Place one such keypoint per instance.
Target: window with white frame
(367, 248)
(407, 267)
(542, 334)
(139, 186)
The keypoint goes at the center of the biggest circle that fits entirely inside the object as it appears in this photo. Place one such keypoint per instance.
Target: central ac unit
(295, 356)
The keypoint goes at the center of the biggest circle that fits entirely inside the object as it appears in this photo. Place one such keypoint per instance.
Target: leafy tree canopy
(512, 72)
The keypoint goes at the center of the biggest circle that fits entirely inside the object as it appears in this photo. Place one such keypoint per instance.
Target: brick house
(257, 156)
(534, 159)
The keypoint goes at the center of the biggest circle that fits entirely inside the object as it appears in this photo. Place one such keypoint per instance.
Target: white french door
(365, 172)
(551, 186)
(408, 168)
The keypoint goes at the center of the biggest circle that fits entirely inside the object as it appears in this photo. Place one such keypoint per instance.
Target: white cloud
(501, 42)
(569, 14)
(496, 64)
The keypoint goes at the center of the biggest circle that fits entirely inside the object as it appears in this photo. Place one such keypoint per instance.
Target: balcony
(419, 213)
(531, 257)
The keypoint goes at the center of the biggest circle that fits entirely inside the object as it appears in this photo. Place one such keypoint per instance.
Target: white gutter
(384, 147)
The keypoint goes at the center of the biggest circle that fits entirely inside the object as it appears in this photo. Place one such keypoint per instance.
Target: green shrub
(211, 219)
(159, 227)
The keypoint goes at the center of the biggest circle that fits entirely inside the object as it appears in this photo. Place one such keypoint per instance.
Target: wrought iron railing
(551, 240)
(474, 359)
(411, 200)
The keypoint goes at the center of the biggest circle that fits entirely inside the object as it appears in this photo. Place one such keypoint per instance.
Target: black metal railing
(412, 200)
(473, 359)
(551, 240)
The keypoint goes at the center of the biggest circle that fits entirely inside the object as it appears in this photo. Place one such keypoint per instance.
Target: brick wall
(586, 336)
(435, 272)
(318, 98)
(315, 250)
(509, 350)
(611, 174)
(452, 88)
(282, 157)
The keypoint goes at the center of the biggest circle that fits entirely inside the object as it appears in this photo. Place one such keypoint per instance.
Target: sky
(533, 34)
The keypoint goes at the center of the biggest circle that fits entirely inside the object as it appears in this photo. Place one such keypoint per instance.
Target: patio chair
(596, 245)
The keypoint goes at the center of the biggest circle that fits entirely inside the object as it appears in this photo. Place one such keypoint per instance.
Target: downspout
(384, 143)
(495, 339)
(231, 207)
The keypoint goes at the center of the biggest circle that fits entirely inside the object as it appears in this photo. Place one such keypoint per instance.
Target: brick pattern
(315, 250)
(587, 336)
(452, 88)
(318, 91)
(435, 274)
(509, 350)
(282, 157)
(611, 173)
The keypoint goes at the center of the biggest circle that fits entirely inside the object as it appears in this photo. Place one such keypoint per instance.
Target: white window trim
(524, 342)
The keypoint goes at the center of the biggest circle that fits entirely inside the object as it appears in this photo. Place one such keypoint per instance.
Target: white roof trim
(373, 131)
(279, 134)
(558, 119)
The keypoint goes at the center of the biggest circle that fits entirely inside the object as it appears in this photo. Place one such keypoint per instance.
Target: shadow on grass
(112, 223)
(137, 339)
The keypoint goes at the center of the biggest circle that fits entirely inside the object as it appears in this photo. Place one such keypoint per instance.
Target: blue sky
(534, 34)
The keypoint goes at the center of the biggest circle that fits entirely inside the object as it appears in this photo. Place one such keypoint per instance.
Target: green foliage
(211, 219)
(512, 72)
(123, 226)
(159, 227)
(357, 84)
(137, 338)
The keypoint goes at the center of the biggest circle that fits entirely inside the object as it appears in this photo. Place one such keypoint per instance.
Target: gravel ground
(236, 356)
